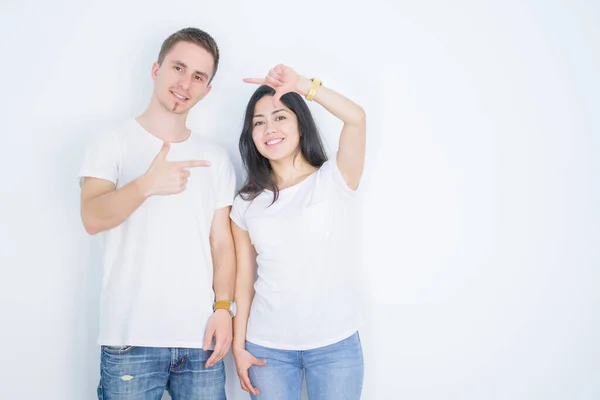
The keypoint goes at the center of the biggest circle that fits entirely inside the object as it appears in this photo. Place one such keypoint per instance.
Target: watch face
(233, 308)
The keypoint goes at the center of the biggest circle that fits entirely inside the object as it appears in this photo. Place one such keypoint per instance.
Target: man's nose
(185, 82)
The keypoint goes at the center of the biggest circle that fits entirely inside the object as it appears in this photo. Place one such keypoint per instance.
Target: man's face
(182, 79)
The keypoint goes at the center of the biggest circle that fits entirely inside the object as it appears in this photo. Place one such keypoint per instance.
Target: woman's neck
(290, 171)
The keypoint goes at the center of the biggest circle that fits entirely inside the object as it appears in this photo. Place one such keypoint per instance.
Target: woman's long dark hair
(258, 168)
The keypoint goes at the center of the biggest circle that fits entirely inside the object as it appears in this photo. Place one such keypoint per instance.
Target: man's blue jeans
(144, 373)
(333, 372)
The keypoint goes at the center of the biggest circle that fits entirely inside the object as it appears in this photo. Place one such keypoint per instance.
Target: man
(161, 196)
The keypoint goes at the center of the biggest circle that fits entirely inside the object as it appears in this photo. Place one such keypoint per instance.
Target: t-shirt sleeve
(101, 159)
(333, 175)
(226, 177)
(238, 212)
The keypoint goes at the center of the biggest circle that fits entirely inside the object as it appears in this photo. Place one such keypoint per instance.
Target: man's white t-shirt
(307, 258)
(158, 271)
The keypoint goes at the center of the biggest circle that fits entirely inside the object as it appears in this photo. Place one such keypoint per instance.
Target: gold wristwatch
(225, 305)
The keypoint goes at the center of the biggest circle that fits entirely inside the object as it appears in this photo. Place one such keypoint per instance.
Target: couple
(192, 268)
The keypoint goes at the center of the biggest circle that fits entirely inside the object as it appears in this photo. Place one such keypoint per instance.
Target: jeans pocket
(117, 349)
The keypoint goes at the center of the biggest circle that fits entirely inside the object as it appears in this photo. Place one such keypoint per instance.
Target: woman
(293, 227)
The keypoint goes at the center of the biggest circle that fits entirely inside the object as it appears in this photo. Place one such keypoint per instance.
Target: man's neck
(164, 124)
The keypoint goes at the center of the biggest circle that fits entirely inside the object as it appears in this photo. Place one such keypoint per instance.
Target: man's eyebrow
(274, 112)
(182, 64)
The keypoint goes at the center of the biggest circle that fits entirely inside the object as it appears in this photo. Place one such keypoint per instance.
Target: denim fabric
(144, 373)
(333, 372)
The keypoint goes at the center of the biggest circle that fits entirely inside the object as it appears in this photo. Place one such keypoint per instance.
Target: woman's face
(275, 130)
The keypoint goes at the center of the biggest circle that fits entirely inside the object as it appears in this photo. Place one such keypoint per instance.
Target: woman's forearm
(338, 105)
(244, 293)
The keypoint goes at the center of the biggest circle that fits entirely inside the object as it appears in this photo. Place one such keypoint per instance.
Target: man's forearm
(111, 209)
(224, 270)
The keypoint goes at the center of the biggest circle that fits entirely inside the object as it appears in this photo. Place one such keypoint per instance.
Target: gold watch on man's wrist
(225, 305)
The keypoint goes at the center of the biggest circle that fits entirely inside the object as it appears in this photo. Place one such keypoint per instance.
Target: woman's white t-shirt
(307, 257)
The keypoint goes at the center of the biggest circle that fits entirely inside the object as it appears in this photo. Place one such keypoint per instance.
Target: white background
(481, 190)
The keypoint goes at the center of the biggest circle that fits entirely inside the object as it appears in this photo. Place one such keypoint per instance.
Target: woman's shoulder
(243, 200)
(330, 174)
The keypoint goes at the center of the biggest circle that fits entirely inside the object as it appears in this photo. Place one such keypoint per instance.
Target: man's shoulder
(212, 147)
(114, 131)
(123, 128)
(208, 142)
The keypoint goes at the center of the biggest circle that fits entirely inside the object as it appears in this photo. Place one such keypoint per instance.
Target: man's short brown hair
(191, 35)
